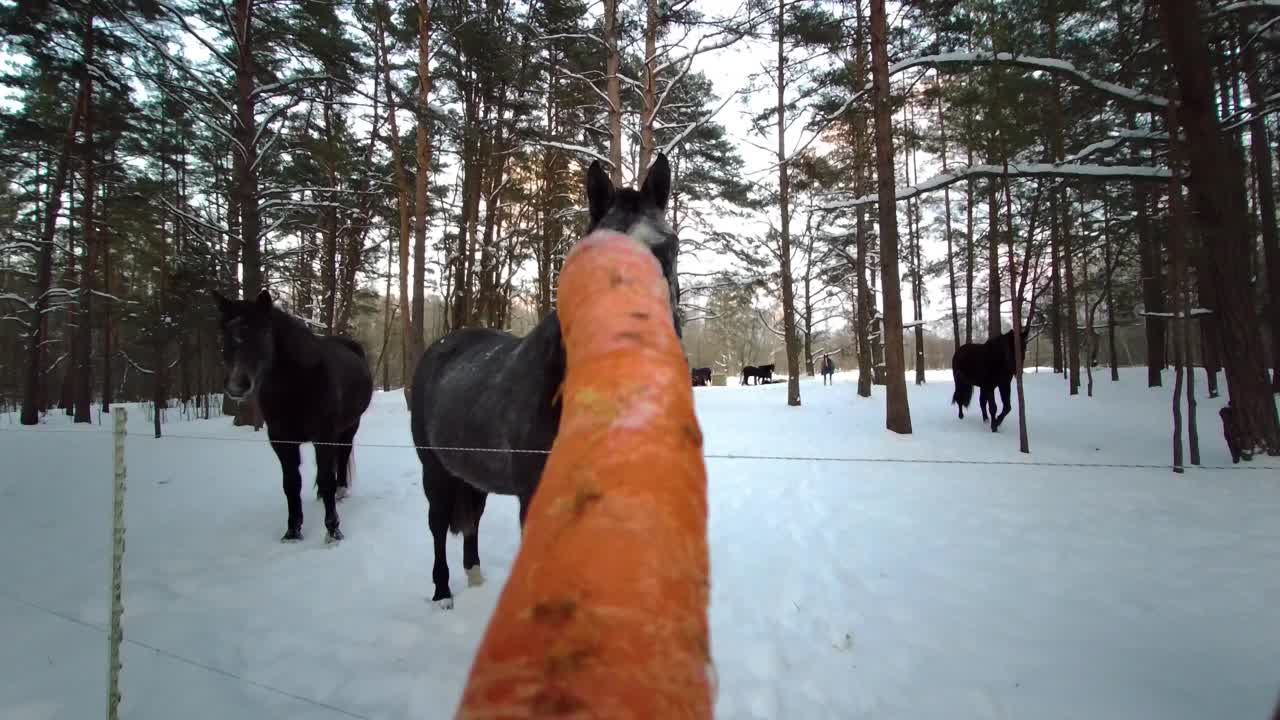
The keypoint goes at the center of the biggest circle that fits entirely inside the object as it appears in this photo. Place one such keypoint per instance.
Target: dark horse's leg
(440, 489)
(471, 549)
(984, 401)
(290, 455)
(327, 480)
(343, 461)
(1004, 399)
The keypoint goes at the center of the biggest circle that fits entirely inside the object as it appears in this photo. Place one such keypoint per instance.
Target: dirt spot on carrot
(554, 612)
(560, 662)
(555, 701)
(631, 336)
(638, 315)
(616, 279)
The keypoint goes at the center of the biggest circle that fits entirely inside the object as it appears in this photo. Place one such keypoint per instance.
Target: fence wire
(870, 460)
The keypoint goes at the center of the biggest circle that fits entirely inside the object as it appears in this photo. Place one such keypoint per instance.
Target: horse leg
(343, 462)
(290, 456)
(471, 557)
(440, 489)
(1004, 399)
(327, 480)
(983, 399)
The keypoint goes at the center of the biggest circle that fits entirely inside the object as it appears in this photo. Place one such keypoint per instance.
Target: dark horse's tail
(468, 506)
(963, 394)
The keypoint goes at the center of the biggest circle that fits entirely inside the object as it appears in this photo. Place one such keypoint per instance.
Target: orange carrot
(605, 612)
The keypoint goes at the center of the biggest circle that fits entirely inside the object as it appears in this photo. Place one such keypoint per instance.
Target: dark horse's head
(640, 214)
(248, 342)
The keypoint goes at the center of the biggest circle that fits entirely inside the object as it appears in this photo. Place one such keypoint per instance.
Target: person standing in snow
(828, 370)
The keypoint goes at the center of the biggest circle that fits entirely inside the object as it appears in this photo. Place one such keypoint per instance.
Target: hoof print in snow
(474, 576)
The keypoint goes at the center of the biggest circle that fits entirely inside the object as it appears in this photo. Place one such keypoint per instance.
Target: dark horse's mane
(484, 388)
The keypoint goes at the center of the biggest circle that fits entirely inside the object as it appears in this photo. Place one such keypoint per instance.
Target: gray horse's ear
(657, 183)
(599, 191)
(264, 299)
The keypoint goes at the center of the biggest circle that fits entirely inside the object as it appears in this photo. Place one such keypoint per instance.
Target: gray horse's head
(641, 214)
(248, 343)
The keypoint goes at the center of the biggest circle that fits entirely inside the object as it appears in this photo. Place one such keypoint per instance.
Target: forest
(890, 181)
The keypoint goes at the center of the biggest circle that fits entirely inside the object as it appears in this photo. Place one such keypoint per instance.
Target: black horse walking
(481, 388)
(310, 388)
(987, 366)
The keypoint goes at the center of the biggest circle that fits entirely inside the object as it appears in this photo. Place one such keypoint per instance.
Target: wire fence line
(177, 657)
(870, 460)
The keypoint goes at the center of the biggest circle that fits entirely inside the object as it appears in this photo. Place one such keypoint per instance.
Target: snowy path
(840, 590)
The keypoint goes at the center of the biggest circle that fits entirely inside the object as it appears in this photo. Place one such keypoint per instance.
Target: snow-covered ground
(840, 589)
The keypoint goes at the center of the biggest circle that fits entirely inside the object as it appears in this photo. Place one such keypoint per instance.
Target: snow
(886, 588)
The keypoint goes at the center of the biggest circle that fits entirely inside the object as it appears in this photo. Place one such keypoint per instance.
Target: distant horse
(1231, 432)
(765, 372)
(310, 388)
(988, 366)
(482, 388)
(701, 376)
(748, 372)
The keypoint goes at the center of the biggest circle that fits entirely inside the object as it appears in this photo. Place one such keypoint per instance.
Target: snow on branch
(573, 36)
(1246, 5)
(937, 182)
(1119, 138)
(666, 149)
(1052, 65)
(567, 147)
(18, 299)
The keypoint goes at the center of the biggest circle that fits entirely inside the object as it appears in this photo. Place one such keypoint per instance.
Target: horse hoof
(341, 493)
(474, 576)
(292, 535)
(333, 536)
(444, 603)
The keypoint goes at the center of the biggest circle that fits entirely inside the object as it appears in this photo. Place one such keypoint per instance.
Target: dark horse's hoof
(333, 536)
(444, 603)
(293, 534)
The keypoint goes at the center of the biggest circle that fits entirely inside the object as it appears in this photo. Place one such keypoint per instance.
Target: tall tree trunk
(866, 296)
(1072, 319)
(1149, 258)
(1108, 250)
(1179, 220)
(784, 206)
(245, 151)
(108, 317)
(409, 350)
(649, 95)
(1015, 297)
(1055, 198)
(31, 396)
(613, 90)
(1222, 224)
(84, 345)
(423, 178)
(995, 327)
(946, 210)
(1259, 145)
(897, 410)
(969, 259)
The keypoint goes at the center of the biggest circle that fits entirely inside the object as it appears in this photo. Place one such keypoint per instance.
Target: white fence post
(116, 635)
